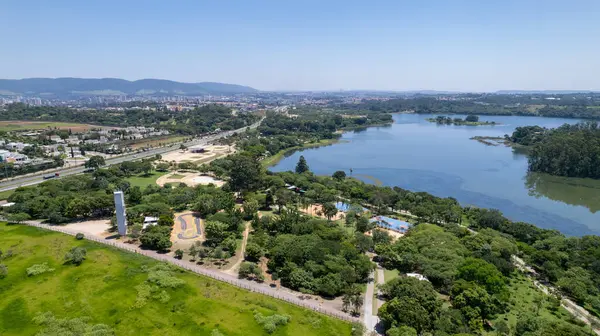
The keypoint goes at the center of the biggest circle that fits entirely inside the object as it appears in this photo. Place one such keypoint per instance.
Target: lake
(417, 155)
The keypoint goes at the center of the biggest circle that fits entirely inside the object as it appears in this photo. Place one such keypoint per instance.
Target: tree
(250, 208)
(302, 166)
(381, 237)
(179, 254)
(405, 312)
(245, 173)
(162, 167)
(229, 244)
(18, 218)
(482, 273)
(183, 147)
(472, 118)
(156, 237)
(401, 331)
(215, 232)
(329, 210)
(76, 256)
(166, 220)
(362, 224)
(339, 175)
(134, 195)
(253, 252)
(95, 162)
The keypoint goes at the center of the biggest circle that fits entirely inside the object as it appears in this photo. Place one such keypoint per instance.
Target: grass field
(14, 125)
(526, 299)
(103, 288)
(156, 141)
(273, 160)
(144, 180)
(176, 176)
(390, 275)
(4, 194)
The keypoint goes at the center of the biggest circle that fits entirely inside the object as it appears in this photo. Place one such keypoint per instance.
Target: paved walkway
(369, 319)
(380, 281)
(232, 280)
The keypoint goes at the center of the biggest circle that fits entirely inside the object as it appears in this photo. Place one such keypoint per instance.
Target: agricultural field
(14, 125)
(130, 294)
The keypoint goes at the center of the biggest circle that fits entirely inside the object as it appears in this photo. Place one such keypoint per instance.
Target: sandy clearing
(317, 210)
(211, 152)
(190, 179)
(98, 227)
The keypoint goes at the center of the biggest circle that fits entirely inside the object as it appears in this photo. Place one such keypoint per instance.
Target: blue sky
(463, 45)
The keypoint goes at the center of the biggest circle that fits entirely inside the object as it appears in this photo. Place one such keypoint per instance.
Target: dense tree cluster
(201, 120)
(563, 106)
(570, 150)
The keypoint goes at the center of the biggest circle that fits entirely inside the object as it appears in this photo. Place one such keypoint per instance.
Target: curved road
(35, 179)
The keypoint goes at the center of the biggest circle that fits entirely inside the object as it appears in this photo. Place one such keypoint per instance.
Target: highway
(35, 179)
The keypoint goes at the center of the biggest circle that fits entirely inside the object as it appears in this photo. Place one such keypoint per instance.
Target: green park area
(143, 180)
(119, 293)
(8, 126)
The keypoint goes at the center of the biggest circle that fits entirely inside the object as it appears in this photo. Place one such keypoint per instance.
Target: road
(35, 179)
(215, 274)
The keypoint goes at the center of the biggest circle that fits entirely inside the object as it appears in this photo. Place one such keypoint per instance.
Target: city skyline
(463, 46)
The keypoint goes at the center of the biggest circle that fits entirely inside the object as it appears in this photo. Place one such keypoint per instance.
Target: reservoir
(418, 155)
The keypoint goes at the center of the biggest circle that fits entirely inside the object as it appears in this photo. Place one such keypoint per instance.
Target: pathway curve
(233, 270)
(232, 280)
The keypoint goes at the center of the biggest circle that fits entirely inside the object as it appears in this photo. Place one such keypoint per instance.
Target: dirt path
(233, 270)
(264, 289)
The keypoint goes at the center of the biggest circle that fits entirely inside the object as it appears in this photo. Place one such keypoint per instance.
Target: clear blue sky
(468, 45)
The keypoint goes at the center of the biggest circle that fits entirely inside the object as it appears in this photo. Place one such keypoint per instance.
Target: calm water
(418, 155)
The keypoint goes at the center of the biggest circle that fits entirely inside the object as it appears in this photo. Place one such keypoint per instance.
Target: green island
(470, 120)
(451, 270)
(569, 150)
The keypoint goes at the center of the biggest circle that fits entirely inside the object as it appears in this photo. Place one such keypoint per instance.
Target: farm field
(110, 287)
(15, 125)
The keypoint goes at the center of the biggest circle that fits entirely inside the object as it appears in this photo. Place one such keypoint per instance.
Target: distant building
(417, 276)
(149, 221)
(197, 149)
(120, 212)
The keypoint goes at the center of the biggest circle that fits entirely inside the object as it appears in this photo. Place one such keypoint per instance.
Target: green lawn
(144, 180)
(274, 159)
(526, 299)
(103, 288)
(4, 194)
(8, 126)
(176, 176)
(390, 275)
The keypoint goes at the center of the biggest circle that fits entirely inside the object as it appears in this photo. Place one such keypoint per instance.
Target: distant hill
(113, 86)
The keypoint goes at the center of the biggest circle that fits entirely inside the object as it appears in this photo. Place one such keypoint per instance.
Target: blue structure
(391, 223)
(345, 207)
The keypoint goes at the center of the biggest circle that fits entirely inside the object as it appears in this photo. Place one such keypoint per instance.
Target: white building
(149, 221)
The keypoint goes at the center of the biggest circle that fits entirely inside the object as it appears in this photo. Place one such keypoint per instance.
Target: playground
(191, 179)
(186, 230)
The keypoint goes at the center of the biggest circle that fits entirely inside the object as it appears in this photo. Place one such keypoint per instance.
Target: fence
(244, 284)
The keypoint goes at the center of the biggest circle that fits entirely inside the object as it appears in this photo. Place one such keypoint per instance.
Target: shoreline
(466, 123)
(277, 157)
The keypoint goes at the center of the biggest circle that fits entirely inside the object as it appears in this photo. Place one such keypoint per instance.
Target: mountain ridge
(75, 86)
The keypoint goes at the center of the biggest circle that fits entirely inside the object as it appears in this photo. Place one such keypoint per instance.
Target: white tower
(120, 209)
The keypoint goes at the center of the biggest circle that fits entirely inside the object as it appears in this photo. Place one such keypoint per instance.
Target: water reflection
(573, 191)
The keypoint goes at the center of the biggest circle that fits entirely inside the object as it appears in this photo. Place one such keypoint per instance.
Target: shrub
(79, 236)
(179, 254)
(38, 269)
(75, 256)
(270, 323)
(3, 271)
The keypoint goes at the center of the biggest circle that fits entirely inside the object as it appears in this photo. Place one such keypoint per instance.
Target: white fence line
(244, 284)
